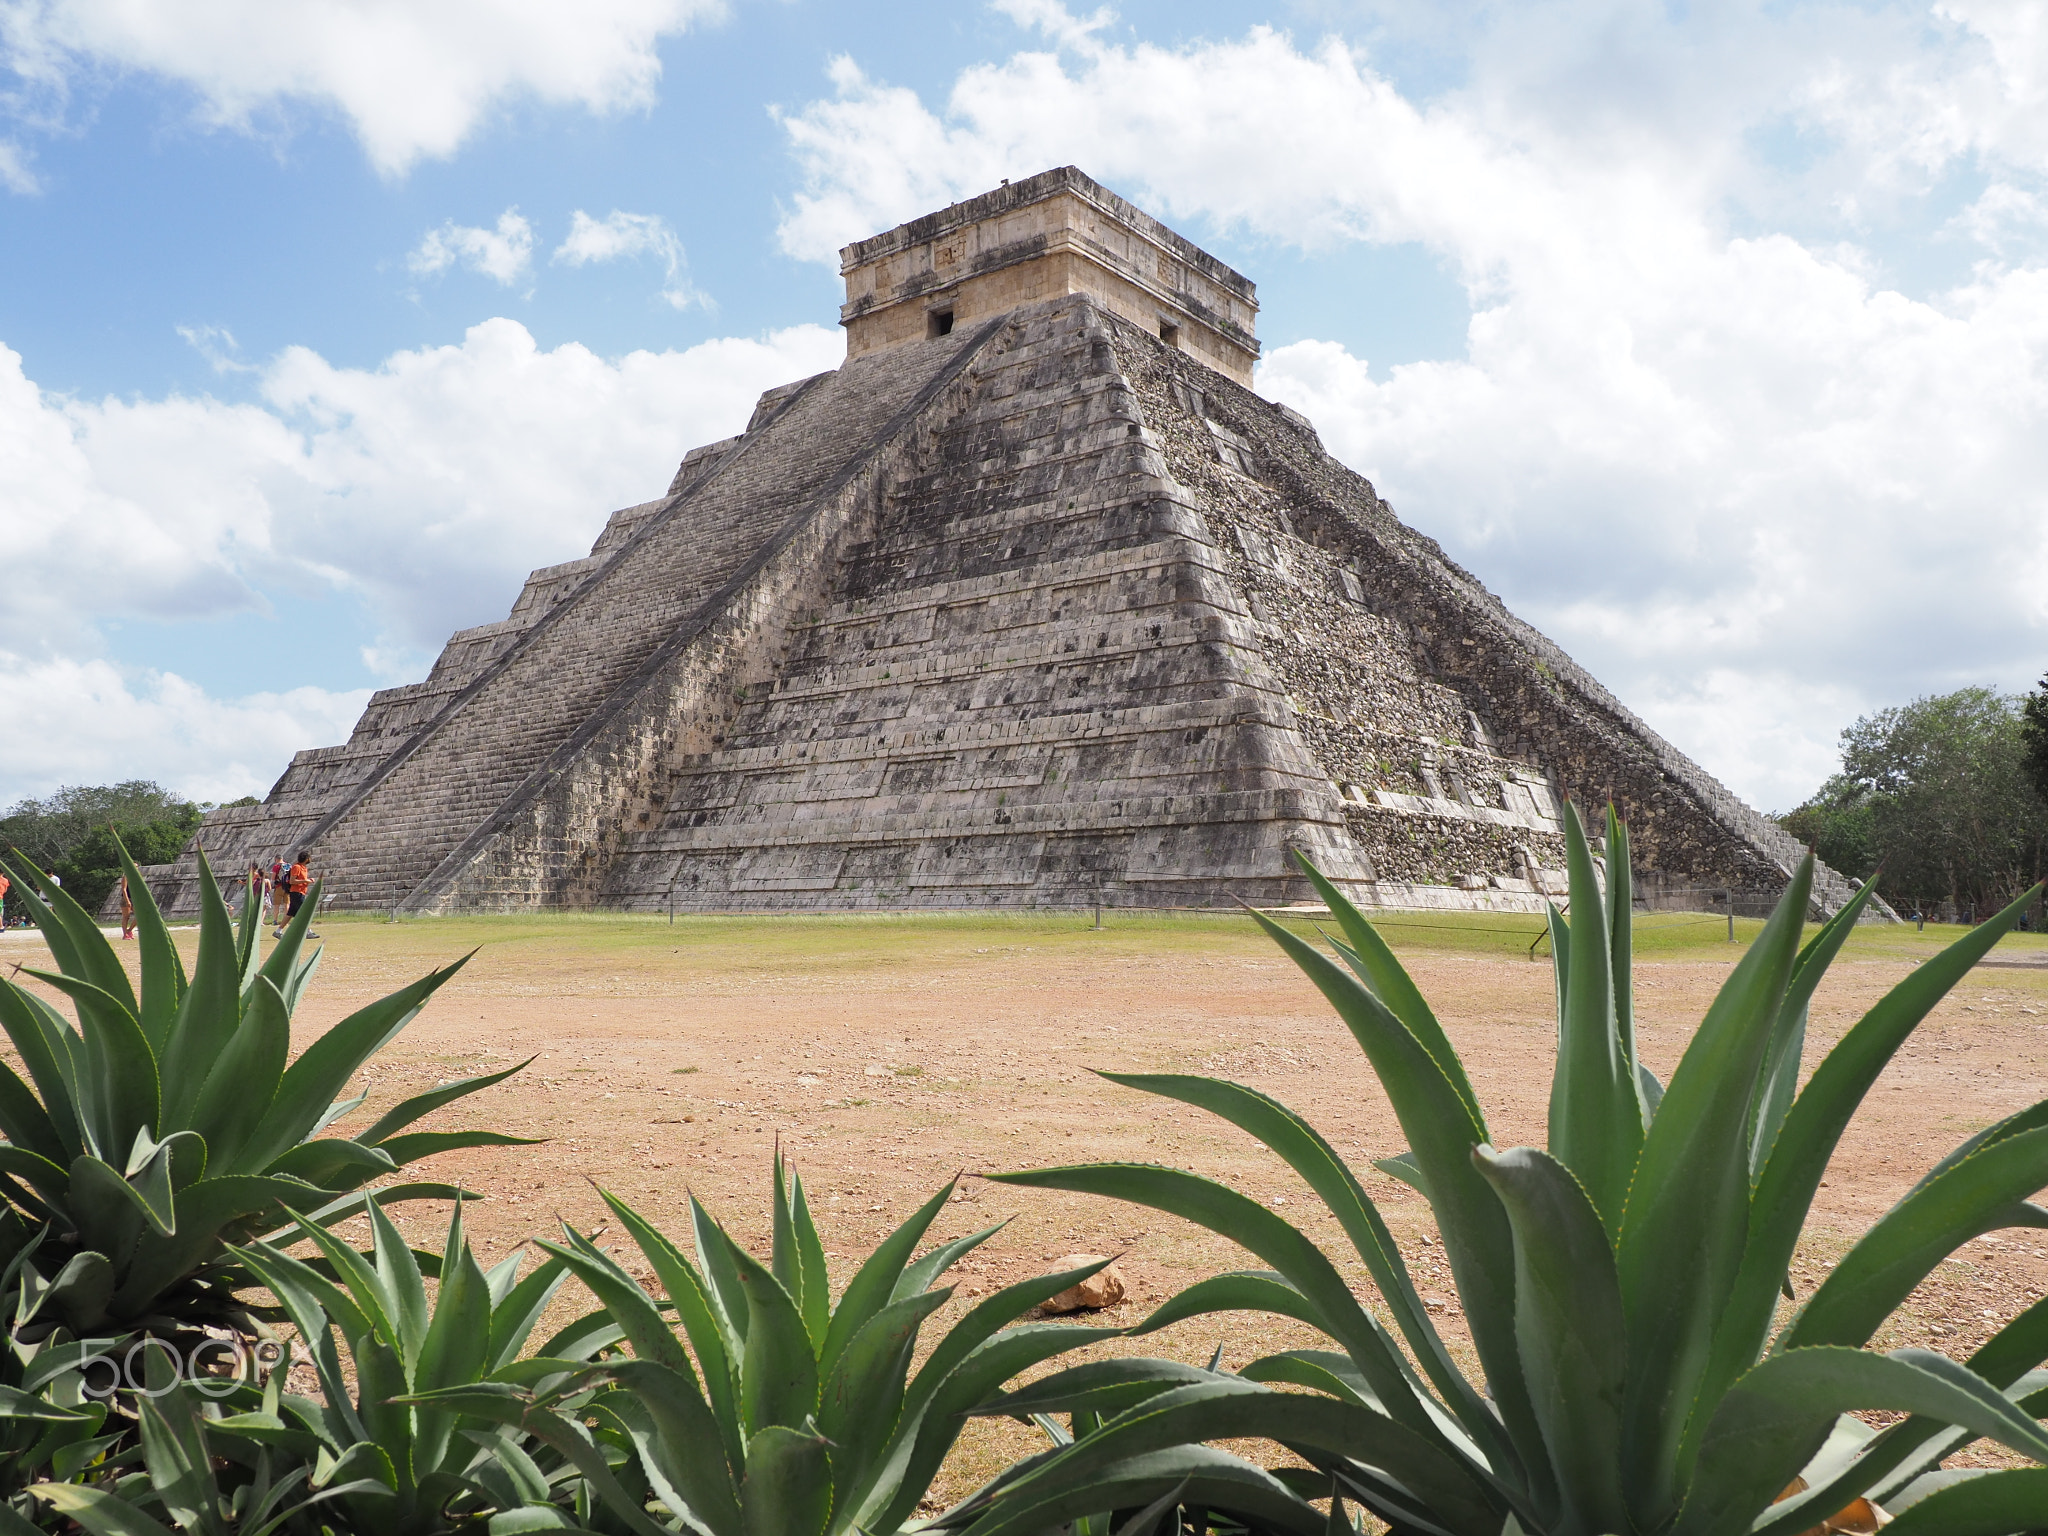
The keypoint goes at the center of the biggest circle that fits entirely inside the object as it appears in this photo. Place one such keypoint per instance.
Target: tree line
(1944, 801)
(71, 834)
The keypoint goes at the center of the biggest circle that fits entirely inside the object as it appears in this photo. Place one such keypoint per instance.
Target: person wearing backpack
(298, 880)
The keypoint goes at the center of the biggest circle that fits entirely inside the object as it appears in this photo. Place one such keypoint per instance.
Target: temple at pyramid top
(1052, 234)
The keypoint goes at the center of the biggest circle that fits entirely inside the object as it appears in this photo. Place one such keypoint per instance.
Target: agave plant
(45, 1414)
(184, 1475)
(413, 1468)
(1622, 1286)
(800, 1416)
(169, 1124)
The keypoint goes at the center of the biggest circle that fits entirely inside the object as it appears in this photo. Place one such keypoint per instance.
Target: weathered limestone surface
(1042, 238)
(1043, 610)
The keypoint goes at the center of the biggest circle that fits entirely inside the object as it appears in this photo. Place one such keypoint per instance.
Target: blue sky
(1716, 342)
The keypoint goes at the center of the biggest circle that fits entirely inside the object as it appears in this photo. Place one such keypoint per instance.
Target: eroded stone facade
(1041, 611)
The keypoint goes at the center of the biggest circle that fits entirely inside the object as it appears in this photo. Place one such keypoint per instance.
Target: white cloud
(623, 235)
(426, 488)
(15, 174)
(1756, 490)
(503, 253)
(88, 722)
(413, 78)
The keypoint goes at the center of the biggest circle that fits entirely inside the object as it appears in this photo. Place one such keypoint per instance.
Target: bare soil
(888, 1055)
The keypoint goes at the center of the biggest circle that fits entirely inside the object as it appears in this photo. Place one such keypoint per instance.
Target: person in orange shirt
(298, 880)
(5, 885)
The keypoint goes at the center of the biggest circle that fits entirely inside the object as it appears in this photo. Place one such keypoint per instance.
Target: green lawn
(867, 941)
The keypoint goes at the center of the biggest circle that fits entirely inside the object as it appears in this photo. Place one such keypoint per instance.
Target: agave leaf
(788, 1487)
(1229, 1408)
(1568, 1315)
(1683, 1233)
(1902, 1249)
(1213, 1480)
(778, 1372)
(1308, 1154)
(1800, 1153)
(46, 1178)
(1402, 1166)
(115, 1071)
(701, 1319)
(112, 1213)
(623, 1297)
(516, 1313)
(1775, 1417)
(97, 1511)
(457, 1344)
(714, 1259)
(1242, 1290)
(1320, 1370)
(208, 1014)
(415, 1145)
(862, 1400)
(1251, 1226)
(1978, 1503)
(1596, 1112)
(380, 1379)
(1620, 915)
(315, 1080)
(247, 924)
(1098, 1389)
(683, 1443)
(782, 1239)
(2007, 1360)
(918, 1278)
(352, 1302)
(983, 1321)
(1388, 980)
(244, 1080)
(875, 1281)
(404, 1113)
(332, 1162)
(25, 1123)
(72, 933)
(283, 964)
(174, 1450)
(948, 1385)
(293, 1283)
(1788, 1038)
(206, 1210)
(2031, 1118)
(45, 1043)
(1441, 1135)
(815, 1283)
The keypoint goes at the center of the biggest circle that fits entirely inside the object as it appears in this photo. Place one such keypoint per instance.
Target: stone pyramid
(1032, 602)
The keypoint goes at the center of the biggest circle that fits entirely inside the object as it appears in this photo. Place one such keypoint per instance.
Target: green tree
(2034, 736)
(1941, 794)
(73, 832)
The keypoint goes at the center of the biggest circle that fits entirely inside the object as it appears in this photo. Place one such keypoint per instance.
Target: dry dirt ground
(888, 1054)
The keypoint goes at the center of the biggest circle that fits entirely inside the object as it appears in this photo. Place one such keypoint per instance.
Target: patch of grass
(680, 1071)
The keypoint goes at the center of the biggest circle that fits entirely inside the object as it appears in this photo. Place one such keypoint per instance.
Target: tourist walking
(278, 893)
(298, 880)
(127, 911)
